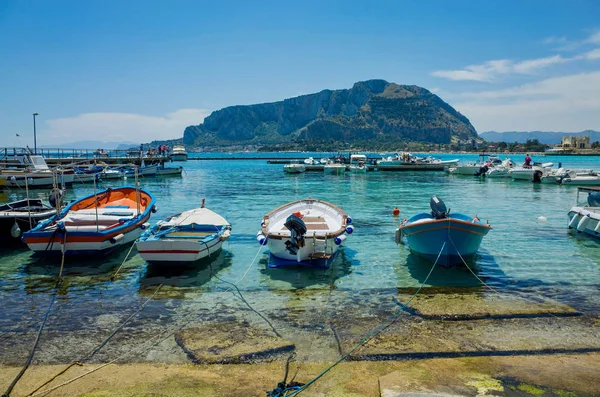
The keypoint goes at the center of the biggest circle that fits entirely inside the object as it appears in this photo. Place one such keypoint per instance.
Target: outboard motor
(438, 208)
(297, 227)
(594, 199)
(482, 170)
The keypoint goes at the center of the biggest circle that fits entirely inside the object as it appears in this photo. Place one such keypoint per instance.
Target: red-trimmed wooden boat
(97, 224)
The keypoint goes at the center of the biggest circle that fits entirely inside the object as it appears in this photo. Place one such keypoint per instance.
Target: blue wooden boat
(451, 236)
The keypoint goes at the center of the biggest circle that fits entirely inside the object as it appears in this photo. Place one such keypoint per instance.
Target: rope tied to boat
(368, 337)
(41, 329)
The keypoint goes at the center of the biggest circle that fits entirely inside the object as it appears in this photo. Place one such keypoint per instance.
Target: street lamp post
(34, 135)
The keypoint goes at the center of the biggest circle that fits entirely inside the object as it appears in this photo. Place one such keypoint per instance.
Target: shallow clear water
(520, 254)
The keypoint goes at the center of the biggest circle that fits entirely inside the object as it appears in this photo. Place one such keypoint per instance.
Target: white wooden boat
(185, 237)
(179, 153)
(304, 232)
(96, 224)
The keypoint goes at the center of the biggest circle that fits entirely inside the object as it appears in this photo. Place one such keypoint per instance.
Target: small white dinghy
(186, 237)
(304, 232)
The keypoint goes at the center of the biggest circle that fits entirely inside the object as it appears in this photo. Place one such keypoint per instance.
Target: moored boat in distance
(96, 224)
(185, 237)
(586, 218)
(358, 163)
(448, 238)
(294, 168)
(334, 168)
(409, 162)
(162, 171)
(179, 153)
(304, 232)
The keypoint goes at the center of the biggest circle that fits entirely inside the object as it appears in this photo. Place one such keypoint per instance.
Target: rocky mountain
(373, 109)
(548, 138)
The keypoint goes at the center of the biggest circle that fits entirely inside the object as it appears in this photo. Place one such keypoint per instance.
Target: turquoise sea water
(521, 254)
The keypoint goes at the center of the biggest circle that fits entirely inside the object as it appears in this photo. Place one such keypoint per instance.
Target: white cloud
(555, 40)
(489, 70)
(593, 54)
(594, 38)
(119, 127)
(532, 65)
(484, 72)
(567, 103)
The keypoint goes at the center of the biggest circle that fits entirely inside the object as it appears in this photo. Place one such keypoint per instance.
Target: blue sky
(143, 70)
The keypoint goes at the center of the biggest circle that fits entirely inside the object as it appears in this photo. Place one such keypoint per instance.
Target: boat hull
(179, 157)
(449, 238)
(177, 251)
(306, 256)
(81, 244)
(582, 180)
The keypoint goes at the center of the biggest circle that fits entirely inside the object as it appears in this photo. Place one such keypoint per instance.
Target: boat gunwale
(449, 220)
(41, 231)
(281, 236)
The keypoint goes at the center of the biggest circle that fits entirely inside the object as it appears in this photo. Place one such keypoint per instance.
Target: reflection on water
(184, 275)
(300, 277)
(456, 276)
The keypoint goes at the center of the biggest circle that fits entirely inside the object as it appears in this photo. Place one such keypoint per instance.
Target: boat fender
(574, 220)
(55, 198)
(349, 229)
(597, 228)
(583, 223)
(60, 226)
(225, 235)
(262, 240)
(348, 220)
(154, 209)
(144, 226)
(398, 236)
(15, 230)
(340, 239)
(116, 239)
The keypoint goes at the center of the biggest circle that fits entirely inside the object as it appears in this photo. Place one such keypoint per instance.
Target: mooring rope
(39, 334)
(112, 278)
(95, 350)
(375, 331)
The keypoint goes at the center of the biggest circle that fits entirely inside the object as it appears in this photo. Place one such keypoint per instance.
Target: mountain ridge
(370, 110)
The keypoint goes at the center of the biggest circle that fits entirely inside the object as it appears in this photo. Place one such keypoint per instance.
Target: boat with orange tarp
(96, 224)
